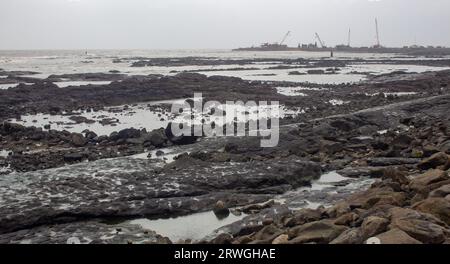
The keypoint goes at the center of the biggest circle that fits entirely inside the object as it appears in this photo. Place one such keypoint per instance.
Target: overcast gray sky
(191, 24)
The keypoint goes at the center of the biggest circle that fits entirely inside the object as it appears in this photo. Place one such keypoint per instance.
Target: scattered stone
(221, 210)
(420, 182)
(320, 232)
(423, 227)
(350, 236)
(439, 207)
(396, 236)
(78, 140)
(281, 239)
(434, 161)
(373, 225)
(441, 192)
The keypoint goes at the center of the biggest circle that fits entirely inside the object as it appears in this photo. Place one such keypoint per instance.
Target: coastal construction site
(319, 45)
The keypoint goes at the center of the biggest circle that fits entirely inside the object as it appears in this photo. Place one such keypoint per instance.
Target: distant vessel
(266, 47)
(269, 46)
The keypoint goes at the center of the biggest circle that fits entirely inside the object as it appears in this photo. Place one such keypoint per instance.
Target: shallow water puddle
(338, 102)
(194, 226)
(79, 83)
(103, 122)
(4, 153)
(321, 192)
(10, 85)
(291, 91)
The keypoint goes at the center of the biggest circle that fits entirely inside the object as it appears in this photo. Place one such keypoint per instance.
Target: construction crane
(285, 37)
(322, 44)
(349, 37)
(378, 44)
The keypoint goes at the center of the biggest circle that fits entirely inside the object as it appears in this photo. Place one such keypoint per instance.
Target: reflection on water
(79, 83)
(195, 226)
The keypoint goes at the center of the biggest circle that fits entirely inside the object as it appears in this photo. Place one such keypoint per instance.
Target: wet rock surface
(60, 187)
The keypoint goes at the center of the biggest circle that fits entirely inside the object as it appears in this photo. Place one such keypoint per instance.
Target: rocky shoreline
(62, 187)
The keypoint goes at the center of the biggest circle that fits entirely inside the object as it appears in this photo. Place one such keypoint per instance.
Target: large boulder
(128, 133)
(179, 140)
(350, 236)
(384, 162)
(396, 236)
(302, 217)
(221, 210)
(74, 157)
(157, 138)
(421, 182)
(266, 235)
(441, 192)
(373, 225)
(376, 197)
(78, 140)
(439, 207)
(423, 227)
(337, 210)
(321, 232)
(281, 239)
(347, 219)
(438, 159)
(395, 175)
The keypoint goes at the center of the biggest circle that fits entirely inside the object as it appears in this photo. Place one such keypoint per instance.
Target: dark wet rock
(81, 119)
(356, 172)
(316, 72)
(83, 233)
(383, 162)
(157, 138)
(179, 140)
(184, 186)
(89, 135)
(296, 73)
(74, 157)
(78, 140)
(302, 217)
(86, 77)
(221, 210)
(127, 134)
(402, 141)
